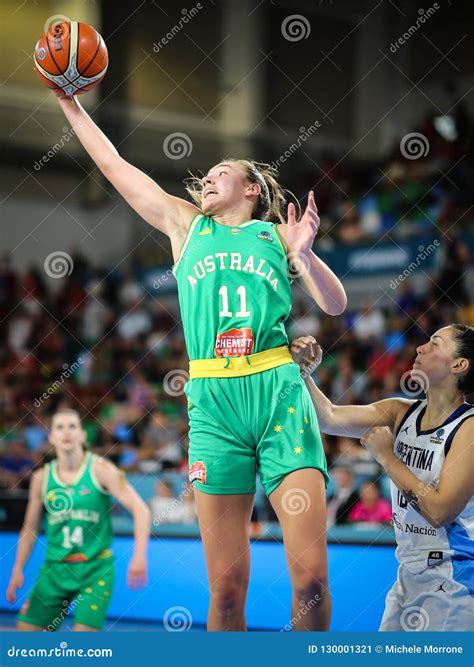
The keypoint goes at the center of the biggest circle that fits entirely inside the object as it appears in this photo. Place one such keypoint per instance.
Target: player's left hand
(379, 442)
(306, 353)
(137, 572)
(299, 236)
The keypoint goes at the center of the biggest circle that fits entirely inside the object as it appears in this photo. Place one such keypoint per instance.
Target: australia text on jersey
(233, 261)
(74, 514)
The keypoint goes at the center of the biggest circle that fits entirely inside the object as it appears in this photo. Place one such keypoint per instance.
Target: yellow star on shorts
(306, 420)
(301, 430)
(278, 428)
(291, 410)
(297, 450)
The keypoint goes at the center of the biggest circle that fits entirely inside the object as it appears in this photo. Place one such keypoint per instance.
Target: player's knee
(310, 583)
(228, 597)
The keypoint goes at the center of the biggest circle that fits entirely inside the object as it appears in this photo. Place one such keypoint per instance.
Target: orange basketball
(71, 56)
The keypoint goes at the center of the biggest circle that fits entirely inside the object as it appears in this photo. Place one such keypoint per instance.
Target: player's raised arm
(114, 481)
(167, 213)
(28, 535)
(320, 282)
(345, 420)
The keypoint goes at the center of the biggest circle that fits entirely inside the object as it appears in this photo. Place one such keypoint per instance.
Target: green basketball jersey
(233, 287)
(78, 515)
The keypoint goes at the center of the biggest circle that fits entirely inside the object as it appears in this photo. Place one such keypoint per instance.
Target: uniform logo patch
(84, 490)
(234, 343)
(198, 472)
(205, 231)
(437, 438)
(265, 236)
(435, 558)
(235, 231)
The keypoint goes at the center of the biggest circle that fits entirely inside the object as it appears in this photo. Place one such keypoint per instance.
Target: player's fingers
(291, 214)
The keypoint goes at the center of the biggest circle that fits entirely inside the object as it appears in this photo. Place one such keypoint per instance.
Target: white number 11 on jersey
(225, 312)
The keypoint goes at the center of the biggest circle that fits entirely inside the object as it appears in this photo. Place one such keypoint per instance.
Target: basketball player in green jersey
(249, 410)
(76, 489)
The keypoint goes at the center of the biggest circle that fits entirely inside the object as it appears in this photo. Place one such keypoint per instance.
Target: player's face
(224, 188)
(66, 432)
(436, 357)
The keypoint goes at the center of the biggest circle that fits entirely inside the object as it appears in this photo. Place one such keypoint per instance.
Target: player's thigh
(22, 626)
(46, 605)
(300, 505)
(224, 522)
(95, 581)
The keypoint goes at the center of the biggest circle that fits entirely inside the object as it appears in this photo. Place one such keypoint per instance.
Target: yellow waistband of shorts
(227, 367)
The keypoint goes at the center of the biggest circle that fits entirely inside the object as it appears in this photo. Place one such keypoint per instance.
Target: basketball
(71, 56)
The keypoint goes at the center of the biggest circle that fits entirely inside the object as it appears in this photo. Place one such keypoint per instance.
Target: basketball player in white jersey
(426, 447)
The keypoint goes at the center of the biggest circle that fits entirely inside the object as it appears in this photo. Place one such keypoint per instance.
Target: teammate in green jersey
(76, 490)
(249, 409)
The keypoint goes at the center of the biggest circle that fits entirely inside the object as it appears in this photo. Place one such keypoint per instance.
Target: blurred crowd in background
(114, 350)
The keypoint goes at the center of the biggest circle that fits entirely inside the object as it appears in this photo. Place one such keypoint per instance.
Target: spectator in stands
(166, 507)
(371, 508)
(344, 498)
(16, 466)
(369, 324)
(134, 323)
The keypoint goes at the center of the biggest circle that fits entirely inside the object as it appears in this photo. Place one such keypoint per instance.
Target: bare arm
(28, 534)
(114, 481)
(152, 203)
(442, 504)
(318, 279)
(324, 286)
(346, 420)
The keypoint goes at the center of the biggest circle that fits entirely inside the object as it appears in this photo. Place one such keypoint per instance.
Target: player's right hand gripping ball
(71, 56)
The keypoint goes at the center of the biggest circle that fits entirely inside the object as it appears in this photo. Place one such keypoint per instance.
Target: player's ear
(253, 188)
(460, 365)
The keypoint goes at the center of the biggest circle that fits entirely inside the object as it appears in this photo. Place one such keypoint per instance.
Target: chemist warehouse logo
(437, 438)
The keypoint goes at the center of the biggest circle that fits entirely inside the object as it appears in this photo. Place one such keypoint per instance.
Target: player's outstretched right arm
(28, 535)
(352, 421)
(167, 213)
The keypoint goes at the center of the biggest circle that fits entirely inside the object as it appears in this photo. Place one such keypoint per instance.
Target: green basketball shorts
(82, 590)
(264, 422)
